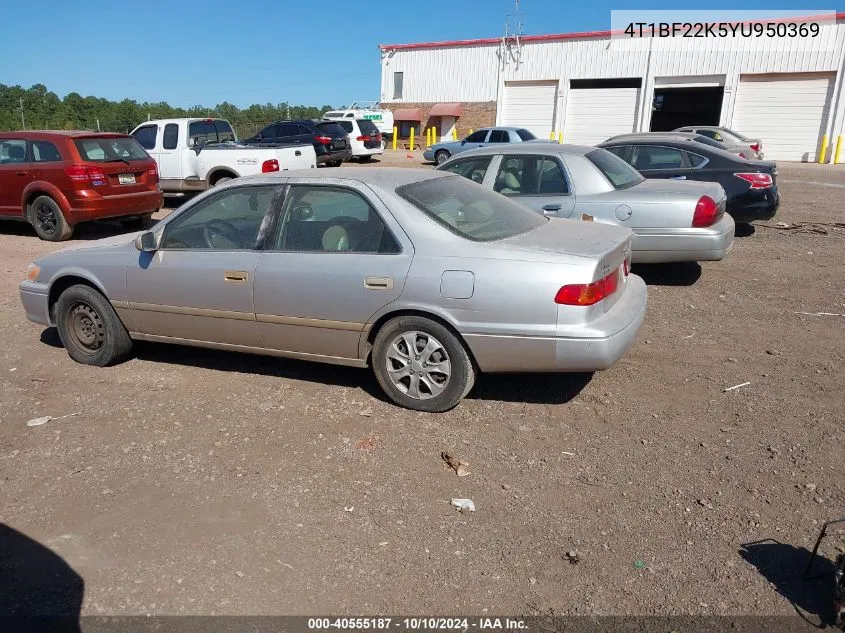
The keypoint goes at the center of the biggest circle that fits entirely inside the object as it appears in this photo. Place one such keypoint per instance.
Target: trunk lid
(668, 187)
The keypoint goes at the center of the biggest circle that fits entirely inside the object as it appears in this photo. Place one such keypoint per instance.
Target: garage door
(530, 104)
(594, 115)
(786, 112)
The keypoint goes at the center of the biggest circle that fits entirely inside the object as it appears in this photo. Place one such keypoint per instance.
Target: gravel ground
(201, 482)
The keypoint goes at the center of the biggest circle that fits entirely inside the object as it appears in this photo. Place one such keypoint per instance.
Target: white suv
(364, 137)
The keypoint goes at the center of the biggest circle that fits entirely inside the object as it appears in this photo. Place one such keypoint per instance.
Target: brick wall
(474, 115)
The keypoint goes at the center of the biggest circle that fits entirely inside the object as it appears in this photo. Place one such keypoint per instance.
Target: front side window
(229, 221)
(531, 176)
(469, 211)
(472, 168)
(398, 85)
(477, 137)
(525, 135)
(146, 136)
(325, 219)
(110, 150)
(12, 151)
(619, 173)
(45, 152)
(657, 157)
(171, 136)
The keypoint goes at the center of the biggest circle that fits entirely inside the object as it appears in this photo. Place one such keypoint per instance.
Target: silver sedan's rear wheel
(421, 365)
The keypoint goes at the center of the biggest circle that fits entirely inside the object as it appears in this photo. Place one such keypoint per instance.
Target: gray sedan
(672, 221)
(426, 276)
(443, 151)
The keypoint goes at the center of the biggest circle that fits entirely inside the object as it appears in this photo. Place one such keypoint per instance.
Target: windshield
(103, 150)
(210, 131)
(469, 210)
(525, 135)
(620, 174)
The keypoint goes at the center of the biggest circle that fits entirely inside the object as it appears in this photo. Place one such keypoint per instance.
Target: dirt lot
(206, 482)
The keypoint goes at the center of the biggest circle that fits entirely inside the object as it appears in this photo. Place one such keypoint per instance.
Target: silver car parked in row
(672, 221)
(426, 276)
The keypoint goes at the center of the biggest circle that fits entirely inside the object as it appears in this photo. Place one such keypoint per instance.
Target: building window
(398, 80)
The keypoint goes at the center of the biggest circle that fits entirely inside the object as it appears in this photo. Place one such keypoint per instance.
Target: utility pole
(23, 121)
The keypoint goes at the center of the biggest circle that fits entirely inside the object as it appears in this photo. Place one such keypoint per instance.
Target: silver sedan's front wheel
(421, 365)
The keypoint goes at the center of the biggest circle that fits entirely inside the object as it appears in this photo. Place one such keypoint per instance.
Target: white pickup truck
(195, 154)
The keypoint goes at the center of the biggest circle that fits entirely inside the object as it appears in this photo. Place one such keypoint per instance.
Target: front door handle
(551, 209)
(677, 177)
(21, 173)
(379, 283)
(236, 276)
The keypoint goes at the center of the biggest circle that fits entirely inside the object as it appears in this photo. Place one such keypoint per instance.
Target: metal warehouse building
(590, 86)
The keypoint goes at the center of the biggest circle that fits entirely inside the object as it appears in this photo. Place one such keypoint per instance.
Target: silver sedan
(672, 221)
(425, 276)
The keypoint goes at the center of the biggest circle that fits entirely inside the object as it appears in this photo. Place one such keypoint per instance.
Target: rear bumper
(755, 205)
(344, 154)
(683, 245)
(606, 339)
(35, 300)
(96, 207)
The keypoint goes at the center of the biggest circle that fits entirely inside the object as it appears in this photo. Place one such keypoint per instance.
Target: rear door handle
(551, 209)
(379, 283)
(236, 276)
(21, 173)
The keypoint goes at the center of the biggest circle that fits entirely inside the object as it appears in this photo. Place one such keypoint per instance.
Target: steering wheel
(217, 230)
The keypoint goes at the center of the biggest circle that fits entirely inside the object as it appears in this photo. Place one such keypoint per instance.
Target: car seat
(508, 179)
(335, 238)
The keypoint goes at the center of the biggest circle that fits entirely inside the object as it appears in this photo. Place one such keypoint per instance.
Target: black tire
(89, 328)
(222, 180)
(366, 158)
(462, 372)
(139, 222)
(334, 163)
(47, 219)
(441, 156)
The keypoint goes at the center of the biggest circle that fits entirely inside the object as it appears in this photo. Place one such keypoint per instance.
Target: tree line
(42, 109)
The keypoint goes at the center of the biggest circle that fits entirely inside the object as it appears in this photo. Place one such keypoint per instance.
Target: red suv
(55, 180)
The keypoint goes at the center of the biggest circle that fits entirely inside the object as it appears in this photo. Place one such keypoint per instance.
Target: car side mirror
(146, 242)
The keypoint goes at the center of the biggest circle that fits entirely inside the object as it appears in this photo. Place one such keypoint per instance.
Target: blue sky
(309, 53)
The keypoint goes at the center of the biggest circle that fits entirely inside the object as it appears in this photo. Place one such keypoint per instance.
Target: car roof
(184, 119)
(531, 147)
(48, 134)
(384, 177)
(654, 135)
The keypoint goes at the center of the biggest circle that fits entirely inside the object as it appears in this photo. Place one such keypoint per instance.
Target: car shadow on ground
(39, 590)
(84, 231)
(674, 274)
(783, 566)
(530, 388)
(744, 230)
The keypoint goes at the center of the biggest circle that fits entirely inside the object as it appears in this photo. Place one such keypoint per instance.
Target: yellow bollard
(412, 139)
(395, 136)
(455, 134)
(823, 151)
(470, 130)
(837, 155)
(560, 137)
(552, 135)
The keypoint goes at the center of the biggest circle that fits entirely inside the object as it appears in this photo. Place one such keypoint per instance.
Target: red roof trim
(557, 37)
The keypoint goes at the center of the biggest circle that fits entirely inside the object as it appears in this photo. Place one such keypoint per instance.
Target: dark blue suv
(328, 138)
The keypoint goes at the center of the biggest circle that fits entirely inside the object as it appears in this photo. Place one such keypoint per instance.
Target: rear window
(333, 115)
(107, 150)
(525, 135)
(210, 132)
(620, 174)
(469, 210)
(367, 126)
(330, 127)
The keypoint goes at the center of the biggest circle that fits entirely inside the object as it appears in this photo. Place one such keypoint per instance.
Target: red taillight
(706, 212)
(269, 165)
(365, 138)
(757, 180)
(325, 140)
(588, 294)
(153, 173)
(83, 173)
(755, 147)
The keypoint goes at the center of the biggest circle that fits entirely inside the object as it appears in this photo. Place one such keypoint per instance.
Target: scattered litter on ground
(383, 543)
(13, 369)
(744, 384)
(532, 580)
(48, 418)
(460, 467)
(835, 314)
(567, 453)
(284, 564)
(366, 443)
(689, 336)
(464, 504)
(367, 412)
(806, 227)
(239, 574)
(506, 486)
(572, 557)
(639, 564)
(348, 508)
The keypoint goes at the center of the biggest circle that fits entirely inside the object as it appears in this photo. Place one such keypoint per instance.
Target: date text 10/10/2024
(417, 623)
